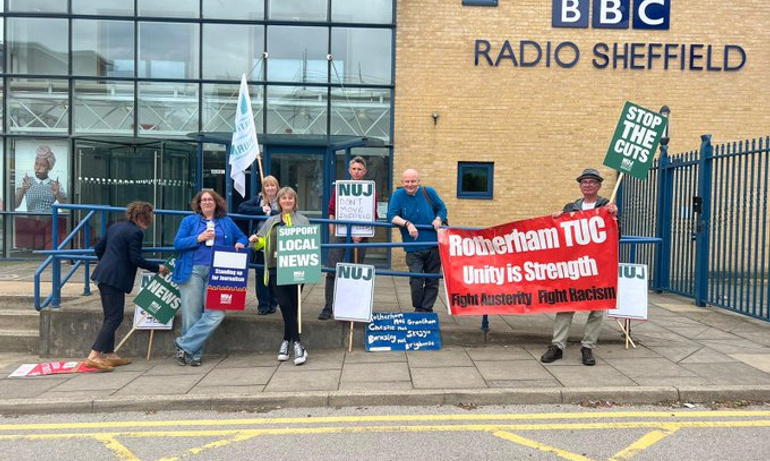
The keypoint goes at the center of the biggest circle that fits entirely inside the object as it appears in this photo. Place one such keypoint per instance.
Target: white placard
(144, 321)
(230, 260)
(632, 292)
(354, 202)
(353, 292)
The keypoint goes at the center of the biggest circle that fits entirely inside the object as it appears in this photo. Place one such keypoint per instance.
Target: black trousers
(288, 300)
(113, 305)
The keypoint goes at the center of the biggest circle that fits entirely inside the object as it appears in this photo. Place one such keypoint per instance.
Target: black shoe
(273, 310)
(325, 314)
(263, 312)
(588, 356)
(181, 356)
(552, 354)
(196, 362)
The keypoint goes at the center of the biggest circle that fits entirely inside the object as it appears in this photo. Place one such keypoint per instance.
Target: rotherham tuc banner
(543, 264)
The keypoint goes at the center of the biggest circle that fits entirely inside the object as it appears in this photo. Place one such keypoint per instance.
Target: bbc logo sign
(612, 14)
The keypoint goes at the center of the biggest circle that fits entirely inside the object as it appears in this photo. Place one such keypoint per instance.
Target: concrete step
(26, 341)
(19, 319)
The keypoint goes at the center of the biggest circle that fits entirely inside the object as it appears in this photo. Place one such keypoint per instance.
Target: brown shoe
(118, 361)
(98, 364)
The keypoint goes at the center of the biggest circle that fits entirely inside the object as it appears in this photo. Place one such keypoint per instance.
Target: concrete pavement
(684, 353)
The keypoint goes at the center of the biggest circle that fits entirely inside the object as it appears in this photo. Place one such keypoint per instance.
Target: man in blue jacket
(410, 206)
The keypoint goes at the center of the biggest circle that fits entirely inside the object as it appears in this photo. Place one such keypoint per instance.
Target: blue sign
(652, 14)
(397, 331)
(612, 14)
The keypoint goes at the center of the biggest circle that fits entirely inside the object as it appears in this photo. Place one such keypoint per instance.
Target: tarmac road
(397, 433)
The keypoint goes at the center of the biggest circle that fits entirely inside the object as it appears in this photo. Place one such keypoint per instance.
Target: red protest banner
(536, 265)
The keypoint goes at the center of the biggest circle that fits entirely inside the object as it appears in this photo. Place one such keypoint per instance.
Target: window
(479, 2)
(475, 179)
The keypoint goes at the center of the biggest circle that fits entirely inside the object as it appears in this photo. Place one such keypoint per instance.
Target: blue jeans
(197, 323)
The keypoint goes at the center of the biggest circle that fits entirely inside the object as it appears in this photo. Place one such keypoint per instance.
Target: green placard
(298, 255)
(635, 140)
(160, 298)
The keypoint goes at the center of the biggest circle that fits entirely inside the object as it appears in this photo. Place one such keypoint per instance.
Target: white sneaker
(300, 354)
(283, 352)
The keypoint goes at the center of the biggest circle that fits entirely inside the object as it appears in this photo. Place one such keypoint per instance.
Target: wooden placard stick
(149, 346)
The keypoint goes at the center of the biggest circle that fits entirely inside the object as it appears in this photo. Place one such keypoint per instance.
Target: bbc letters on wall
(643, 15)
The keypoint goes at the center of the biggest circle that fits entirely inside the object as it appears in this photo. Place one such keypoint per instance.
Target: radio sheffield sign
(644, 15)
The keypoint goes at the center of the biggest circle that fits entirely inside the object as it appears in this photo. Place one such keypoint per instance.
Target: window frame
(489, 194)
(480, 3)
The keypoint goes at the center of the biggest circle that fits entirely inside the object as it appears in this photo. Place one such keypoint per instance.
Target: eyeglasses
(207, 200)
(589, 182)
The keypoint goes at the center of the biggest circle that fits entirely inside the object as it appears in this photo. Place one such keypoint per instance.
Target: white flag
(244, 149)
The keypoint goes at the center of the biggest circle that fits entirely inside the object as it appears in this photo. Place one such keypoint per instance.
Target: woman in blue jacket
(195, 240)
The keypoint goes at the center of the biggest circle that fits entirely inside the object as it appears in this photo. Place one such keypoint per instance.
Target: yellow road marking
(643, 443)
(517, 439)
(398, 428)
(389, 418)
(120, 450)
(239, 437)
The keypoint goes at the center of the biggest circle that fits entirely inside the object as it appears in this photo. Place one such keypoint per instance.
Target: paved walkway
(684, 353)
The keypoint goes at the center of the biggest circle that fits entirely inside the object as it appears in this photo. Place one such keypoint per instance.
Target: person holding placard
(590, 183)
(288, 295)
(120, 254)
(409, 206)
(357, 170)
(209, 225)
(263, 204)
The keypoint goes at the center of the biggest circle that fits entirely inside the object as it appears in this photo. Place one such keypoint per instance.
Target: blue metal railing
(709, 208)
(84, 256)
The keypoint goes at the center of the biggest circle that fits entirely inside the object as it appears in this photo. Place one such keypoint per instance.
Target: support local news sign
(543, 264)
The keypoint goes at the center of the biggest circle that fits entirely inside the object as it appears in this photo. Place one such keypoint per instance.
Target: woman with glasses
(195, 240)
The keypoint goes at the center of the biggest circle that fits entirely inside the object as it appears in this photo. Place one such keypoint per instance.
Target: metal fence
(709, 207)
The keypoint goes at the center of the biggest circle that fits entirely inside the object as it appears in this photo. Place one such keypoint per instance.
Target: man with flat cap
(590, 183)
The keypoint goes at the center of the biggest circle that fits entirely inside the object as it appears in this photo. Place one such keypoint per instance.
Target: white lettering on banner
(584, 231)
(296, 245)
(298, 260)
(301, 230)
(164, 294)
(487, 274)
(573, 270)
(514, 242)
(578, 232)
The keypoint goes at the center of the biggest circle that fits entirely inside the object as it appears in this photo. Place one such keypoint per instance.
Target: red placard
(543, 264)
(51, 368)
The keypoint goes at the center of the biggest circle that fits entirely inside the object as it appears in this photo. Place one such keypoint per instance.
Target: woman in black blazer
(119, 253)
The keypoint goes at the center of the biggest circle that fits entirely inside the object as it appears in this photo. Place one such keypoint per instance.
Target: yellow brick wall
(541, 126)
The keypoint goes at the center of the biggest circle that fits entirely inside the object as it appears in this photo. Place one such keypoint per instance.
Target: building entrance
(159, 172)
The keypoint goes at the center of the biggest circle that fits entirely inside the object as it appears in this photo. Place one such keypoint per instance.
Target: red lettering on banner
(536, 265)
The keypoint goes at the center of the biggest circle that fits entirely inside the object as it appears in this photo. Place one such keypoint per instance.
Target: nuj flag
(244, 148)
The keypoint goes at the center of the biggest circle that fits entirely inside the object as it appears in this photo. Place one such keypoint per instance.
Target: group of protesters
(417, 210)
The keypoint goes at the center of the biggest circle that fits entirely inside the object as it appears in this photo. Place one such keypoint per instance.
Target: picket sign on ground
(353, 294)
(632, 297)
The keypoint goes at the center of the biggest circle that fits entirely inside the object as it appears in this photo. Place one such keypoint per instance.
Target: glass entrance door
(302, 170)
(162, 173)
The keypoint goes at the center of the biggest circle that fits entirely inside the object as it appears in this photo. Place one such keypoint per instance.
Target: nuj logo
(226, 298)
